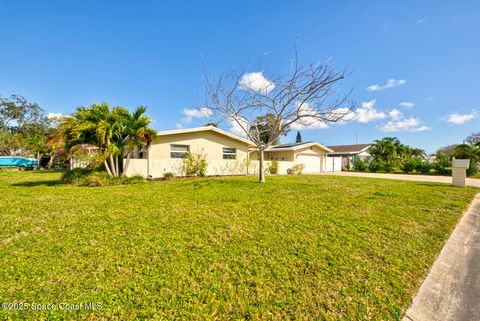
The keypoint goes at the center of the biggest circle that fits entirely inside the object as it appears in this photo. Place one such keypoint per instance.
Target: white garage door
(311, 162)
(334, 164)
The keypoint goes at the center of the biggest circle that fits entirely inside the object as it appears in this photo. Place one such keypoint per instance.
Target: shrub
(296, 169)
(424, 167)
(411, 165)
(135, 179)
(74, 175)
(418, 165)
(472, 169)
(375, 165)
(168, 176)
(440, 166)
(98, 179)
(82, 177)
(359, 165)
(195, 164)
(408, 166)
(388, 167)
(273, 168)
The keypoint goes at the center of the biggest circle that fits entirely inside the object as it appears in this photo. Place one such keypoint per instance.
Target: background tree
(471, 152)
(417, 152)
(266, 128)
(390, 152)
(307, 94)
(447, 150)
(24, 127)
(298, 139)
(473, 138)
(211, 124)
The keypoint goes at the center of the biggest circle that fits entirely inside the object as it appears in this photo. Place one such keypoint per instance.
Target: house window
(229, 153)
(179, 151)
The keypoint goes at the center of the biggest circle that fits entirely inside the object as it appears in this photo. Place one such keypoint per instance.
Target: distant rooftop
(349, 148)
(289, 145)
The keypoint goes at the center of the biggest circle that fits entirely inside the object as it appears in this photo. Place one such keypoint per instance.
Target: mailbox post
(459, 171)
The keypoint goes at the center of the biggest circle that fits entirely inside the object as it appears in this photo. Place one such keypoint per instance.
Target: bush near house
(83, 177)
(296, 169)
(168, 176)
(359, 165)
(195, 164)
(273, 168)
(375, 165)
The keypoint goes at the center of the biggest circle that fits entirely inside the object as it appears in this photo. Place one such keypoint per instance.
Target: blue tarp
(17, 161)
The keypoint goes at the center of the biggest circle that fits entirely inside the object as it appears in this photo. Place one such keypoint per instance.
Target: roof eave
(204, 128)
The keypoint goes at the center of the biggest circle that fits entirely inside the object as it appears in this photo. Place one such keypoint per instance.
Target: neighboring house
(226, 154)
(82, 156)
(311, 154)
(349, 153)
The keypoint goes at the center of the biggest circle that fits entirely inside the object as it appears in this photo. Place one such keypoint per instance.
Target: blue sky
(64, 54)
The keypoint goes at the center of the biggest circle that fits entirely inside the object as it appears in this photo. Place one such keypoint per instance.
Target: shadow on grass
(53, 182)
(435, 184)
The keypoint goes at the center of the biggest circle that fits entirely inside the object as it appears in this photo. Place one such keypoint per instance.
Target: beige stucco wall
(209, 143)
(286, 159)
(158, 167)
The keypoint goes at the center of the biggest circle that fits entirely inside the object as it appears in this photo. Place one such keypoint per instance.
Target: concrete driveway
(406, 177)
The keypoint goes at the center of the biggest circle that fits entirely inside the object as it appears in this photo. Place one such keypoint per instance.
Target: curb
(452, 286)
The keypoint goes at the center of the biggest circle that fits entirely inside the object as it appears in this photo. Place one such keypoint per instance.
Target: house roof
(289, 145)
(204, 128)
(296, 146)
(349, 149)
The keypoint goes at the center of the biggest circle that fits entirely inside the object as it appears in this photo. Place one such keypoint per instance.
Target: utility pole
(356, 138)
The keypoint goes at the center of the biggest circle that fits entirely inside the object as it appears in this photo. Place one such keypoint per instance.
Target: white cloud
(308, 121)
(401, 124)
(237, 125)
(56, 116)
(197, 112)
(367, 113)
(459, 119)
(421, 20)
(390, 84)
(406, 104)
(395, 114)
(190, 114)
(257, 82)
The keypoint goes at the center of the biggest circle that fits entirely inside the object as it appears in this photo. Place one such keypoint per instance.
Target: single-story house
(349, 153)
(226, 154)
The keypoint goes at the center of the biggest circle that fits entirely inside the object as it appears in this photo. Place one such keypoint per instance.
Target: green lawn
(303, 247)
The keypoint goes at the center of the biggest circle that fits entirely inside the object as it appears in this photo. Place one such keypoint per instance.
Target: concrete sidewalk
(451, 290)
(406, 177)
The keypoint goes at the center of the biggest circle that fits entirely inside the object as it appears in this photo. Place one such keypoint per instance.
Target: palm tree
(417, 152)
(137, 133)
(108, 129)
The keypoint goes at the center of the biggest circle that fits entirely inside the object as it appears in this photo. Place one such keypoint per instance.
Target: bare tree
(306, 95)
(473, 139)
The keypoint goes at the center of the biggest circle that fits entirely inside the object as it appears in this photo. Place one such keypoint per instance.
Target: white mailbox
(459, 171)
(460, 163)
